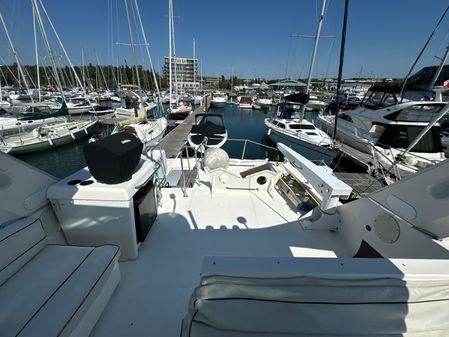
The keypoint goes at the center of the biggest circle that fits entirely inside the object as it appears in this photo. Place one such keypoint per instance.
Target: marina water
(241, 124)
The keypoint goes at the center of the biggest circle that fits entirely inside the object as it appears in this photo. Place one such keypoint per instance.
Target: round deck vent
(261, 180)
(386, 228)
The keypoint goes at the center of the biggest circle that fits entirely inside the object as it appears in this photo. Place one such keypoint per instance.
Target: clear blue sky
(252, 36)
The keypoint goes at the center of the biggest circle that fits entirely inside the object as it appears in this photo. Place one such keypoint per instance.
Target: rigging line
(443, 41)
(421, 52)
(16, 56)
(174, 48)
(118, 31)
(329, 58)
(3, 75)
(292, 68)
(37, 58)
(149, 58)
(111, 27)
(49, 50)
(9, 70)
(132, 42)
(136, 30)
(64, 51)
(288, 57)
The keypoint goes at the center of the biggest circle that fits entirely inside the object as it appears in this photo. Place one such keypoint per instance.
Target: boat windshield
(416, 113)
(401, 136)
(379, 99)
(301, 127)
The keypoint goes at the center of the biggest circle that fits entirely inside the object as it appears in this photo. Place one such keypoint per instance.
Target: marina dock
(362, 183)
(363, 160)
(173, 142)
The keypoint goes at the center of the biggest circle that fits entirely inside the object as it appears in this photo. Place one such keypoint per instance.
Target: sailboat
(298, 133)
(37, 114)
(148, 131)
(180, 107)
(46, 136)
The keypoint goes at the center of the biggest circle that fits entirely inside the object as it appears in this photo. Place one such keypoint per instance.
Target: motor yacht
(181, 109)
(263, 102)
(315, 104)
(245, 102)
(243, 248)
(219, 99)
(384, 127)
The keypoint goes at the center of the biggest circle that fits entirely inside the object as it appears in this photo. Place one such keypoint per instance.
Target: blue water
(240, 124)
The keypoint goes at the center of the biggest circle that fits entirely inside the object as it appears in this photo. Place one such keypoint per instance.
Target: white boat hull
(218, 104)
(245, 106)
(30, 144)
(311, 151)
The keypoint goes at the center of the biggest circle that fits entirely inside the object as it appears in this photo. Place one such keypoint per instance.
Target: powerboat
(132, 102)
(386, 128)
(245, 102)
(208, 132)
(219, 99)
(263, 102)
(315, 104)
(180, 110)
(79, 105)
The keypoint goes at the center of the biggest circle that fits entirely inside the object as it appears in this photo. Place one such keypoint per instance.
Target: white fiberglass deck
(152, 298)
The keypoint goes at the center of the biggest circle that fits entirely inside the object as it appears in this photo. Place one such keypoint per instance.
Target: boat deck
(152, 297)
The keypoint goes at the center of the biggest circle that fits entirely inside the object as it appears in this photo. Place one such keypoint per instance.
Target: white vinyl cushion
(300, 305)
(44, 295)
(19, 243)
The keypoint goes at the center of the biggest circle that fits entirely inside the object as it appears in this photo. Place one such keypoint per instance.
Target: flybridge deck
(153, 295)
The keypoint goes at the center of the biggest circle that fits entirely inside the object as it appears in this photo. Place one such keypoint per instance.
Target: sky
(247, 38)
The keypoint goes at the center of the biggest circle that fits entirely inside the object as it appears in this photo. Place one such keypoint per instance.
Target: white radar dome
(216, 158)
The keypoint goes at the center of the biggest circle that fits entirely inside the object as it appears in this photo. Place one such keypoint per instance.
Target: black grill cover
(112, 160)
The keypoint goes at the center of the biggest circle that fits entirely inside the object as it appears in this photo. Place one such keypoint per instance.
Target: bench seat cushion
(19, 243)
(50, 289)
(245, 296)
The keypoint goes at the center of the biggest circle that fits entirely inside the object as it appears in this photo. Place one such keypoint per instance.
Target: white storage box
(92, 213)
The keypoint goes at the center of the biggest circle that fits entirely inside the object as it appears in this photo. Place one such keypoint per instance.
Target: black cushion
(113, 159)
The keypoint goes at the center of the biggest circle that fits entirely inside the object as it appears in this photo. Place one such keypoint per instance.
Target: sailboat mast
(37, 57)
(315, 48)
(169, 48)
(147, 48)
(83, 69)
(194, 70)
(340, 66)
(201, 75)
